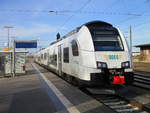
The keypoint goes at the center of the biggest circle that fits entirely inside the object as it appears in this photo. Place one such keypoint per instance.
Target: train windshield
(106, 39)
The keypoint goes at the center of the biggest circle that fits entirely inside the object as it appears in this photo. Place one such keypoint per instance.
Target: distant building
(144, 52)
(135, 53)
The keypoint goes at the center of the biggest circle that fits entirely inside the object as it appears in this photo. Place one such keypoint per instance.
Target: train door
(59, 60)
(2, 65)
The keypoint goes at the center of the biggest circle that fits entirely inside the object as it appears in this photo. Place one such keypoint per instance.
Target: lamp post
(8, 29)
(131, 44)
(8, 46)
(130, 39)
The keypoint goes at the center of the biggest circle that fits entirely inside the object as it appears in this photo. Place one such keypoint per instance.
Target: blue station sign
(26, 44)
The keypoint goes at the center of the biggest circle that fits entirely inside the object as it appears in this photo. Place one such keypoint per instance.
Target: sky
(31, 19)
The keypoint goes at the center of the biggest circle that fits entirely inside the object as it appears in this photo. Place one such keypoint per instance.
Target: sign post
(22, 44)
(14, 48)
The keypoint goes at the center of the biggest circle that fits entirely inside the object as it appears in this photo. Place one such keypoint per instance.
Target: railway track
(142, 80)
(117, 103)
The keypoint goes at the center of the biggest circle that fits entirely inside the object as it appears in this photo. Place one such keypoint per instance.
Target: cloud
(35, 30)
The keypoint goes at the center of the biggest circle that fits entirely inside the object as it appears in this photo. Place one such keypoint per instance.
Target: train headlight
(101, 65)
(125, 64)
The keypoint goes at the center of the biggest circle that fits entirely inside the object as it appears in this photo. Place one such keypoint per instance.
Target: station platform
(24, 94)
(40, 91)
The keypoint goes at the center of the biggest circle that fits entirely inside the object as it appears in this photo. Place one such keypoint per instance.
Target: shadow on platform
(31, 101)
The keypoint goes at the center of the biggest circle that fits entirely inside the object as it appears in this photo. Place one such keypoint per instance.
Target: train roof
(88, 24)
(102, 23)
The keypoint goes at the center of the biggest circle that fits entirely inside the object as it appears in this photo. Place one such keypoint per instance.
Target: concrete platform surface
(24, 94)
(40, 91)
(74, 97)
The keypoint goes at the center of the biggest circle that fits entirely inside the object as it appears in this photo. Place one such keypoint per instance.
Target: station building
(135, 54)
(144, 52)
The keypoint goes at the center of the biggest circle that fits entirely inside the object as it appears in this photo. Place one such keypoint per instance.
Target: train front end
(112, 55)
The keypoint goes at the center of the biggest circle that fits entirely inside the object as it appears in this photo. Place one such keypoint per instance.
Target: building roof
(143, 45)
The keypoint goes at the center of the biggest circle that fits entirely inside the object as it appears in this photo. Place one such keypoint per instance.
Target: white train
(95, 53)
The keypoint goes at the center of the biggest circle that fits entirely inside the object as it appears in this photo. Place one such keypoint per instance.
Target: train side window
(45, 56)
(41, 56)
(75, 50)
(38, 58)
(66, 55)
(50, 58)
(55, 59)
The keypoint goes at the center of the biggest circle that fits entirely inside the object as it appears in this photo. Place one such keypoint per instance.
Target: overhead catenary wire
(112, 5)
(140, 24)
(53, 11)
(68, 19)
(136, 25)
(92, 12)
(133, 17)
(79, 11)
(141, 14)
(73, 12)
(97, 12)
